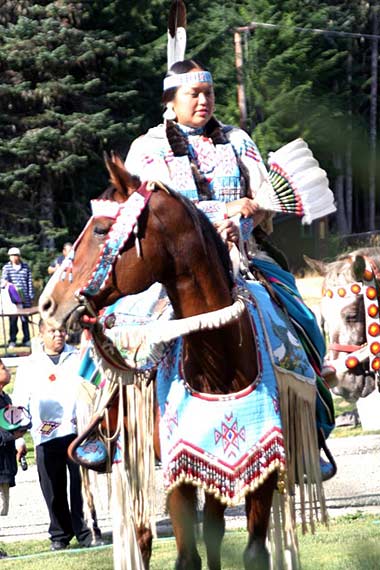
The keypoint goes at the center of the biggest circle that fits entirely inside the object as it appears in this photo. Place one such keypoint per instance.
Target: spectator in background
(58, 261)
(18, 273)
(8, 456)
(47, 385)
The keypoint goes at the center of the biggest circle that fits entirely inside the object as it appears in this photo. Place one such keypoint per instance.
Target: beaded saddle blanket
(229, 444)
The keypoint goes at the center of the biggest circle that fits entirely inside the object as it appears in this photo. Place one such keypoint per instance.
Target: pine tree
(70, 84)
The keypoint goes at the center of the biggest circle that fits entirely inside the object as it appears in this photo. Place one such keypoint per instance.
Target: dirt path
(356, 487)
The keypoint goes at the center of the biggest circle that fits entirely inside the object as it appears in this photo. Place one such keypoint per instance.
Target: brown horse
(345, 319)
(176, 245)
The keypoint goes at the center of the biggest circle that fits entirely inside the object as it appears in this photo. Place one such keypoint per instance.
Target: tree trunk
(373, 118)
(348, 158)
(339, 194)
(47, 213)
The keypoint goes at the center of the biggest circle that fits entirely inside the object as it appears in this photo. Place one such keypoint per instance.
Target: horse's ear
(317, 265)
(124, 183)
(358, 267)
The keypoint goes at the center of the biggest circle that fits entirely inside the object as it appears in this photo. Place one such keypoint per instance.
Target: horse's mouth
(351, 386)
(81, 317)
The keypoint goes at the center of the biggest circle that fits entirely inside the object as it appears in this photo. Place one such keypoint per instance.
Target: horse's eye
(101, 231)
(351, 317)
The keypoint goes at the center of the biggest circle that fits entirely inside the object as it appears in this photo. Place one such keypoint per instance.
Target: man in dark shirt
(58, 260)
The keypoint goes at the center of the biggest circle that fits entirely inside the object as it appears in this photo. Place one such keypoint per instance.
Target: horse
(171, 242)
(349, 317)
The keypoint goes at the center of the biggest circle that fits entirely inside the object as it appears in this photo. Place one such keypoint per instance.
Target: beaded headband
(187, 79)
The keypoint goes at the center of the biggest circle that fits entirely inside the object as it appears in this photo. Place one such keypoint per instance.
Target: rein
(369, 289)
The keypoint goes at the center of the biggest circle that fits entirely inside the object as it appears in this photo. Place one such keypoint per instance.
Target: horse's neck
(221, 360)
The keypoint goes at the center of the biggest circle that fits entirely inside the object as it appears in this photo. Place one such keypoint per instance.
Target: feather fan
(299, 185)
(176, 32)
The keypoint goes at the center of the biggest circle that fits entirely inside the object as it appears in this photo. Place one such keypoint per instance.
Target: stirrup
(328, 469)
(92, 454)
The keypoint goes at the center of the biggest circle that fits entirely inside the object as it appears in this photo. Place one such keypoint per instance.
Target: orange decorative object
(374, 329)
(329, 293)
(355, 288)
(371, 293)
(376, 363)
(373, 310)
(375, 347)
(351, 362)
(342, 292)
(368, 275)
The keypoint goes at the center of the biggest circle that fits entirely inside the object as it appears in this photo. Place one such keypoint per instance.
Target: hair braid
(178, 143)
(214, 130)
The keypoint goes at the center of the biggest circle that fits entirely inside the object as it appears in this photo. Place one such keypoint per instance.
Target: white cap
(14, 251)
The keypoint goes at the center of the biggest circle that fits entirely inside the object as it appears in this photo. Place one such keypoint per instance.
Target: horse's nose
(47, 306)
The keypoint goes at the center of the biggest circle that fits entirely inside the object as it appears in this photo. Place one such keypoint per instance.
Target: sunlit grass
(350, 543)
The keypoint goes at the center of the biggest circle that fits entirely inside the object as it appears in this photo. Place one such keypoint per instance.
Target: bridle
(125, 223)
(370, 290)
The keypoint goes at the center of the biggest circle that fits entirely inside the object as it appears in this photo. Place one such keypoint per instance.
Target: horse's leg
(213, 530)
(258, 507)
(182, 510)
(145, 539)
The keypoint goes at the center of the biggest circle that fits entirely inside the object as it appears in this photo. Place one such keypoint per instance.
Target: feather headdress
(299, 185)
(176, 32)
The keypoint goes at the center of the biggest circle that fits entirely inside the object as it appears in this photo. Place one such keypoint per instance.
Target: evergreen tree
(314, 85)
(70, 84)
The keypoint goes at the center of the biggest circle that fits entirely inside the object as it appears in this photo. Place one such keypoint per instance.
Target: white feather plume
(300, 185)
(176, 47)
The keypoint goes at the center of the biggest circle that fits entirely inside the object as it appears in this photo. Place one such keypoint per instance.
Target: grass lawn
(351, 543)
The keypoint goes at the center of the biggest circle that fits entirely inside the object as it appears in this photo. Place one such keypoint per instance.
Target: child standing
(8, 454)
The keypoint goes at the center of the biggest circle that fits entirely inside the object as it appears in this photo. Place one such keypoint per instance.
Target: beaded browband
(187, 79)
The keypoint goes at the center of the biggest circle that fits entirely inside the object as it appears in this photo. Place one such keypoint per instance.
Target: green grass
(350, 543)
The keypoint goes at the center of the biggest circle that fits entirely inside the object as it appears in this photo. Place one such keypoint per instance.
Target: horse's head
(137, 235)
(346, 319)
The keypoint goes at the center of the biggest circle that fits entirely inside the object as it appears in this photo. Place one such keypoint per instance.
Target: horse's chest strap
(344, 347)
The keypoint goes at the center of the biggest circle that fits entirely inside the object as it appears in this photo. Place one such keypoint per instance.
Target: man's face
(53, 339)
(15, 259)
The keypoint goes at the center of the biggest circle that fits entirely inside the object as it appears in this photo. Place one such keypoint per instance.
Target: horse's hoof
(193, 562)
(257, 559)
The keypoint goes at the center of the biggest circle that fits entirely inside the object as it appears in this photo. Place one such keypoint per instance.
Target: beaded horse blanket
(229, 444)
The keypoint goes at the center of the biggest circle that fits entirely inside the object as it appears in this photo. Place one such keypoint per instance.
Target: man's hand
(247, 208)
(228, 230)
(20, 444)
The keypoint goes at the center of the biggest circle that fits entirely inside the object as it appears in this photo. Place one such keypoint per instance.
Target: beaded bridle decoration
(369, 289)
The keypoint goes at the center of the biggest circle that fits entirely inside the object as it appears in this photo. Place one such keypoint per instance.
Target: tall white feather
(300, 186)
(176, 46)
(176, 32)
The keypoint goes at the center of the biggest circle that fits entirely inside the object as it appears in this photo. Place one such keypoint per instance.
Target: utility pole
(373, 118)
(240, 80)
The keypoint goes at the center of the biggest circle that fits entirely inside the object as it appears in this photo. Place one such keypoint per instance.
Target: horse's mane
(202, 224)
(207, 233)
(369, 251)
